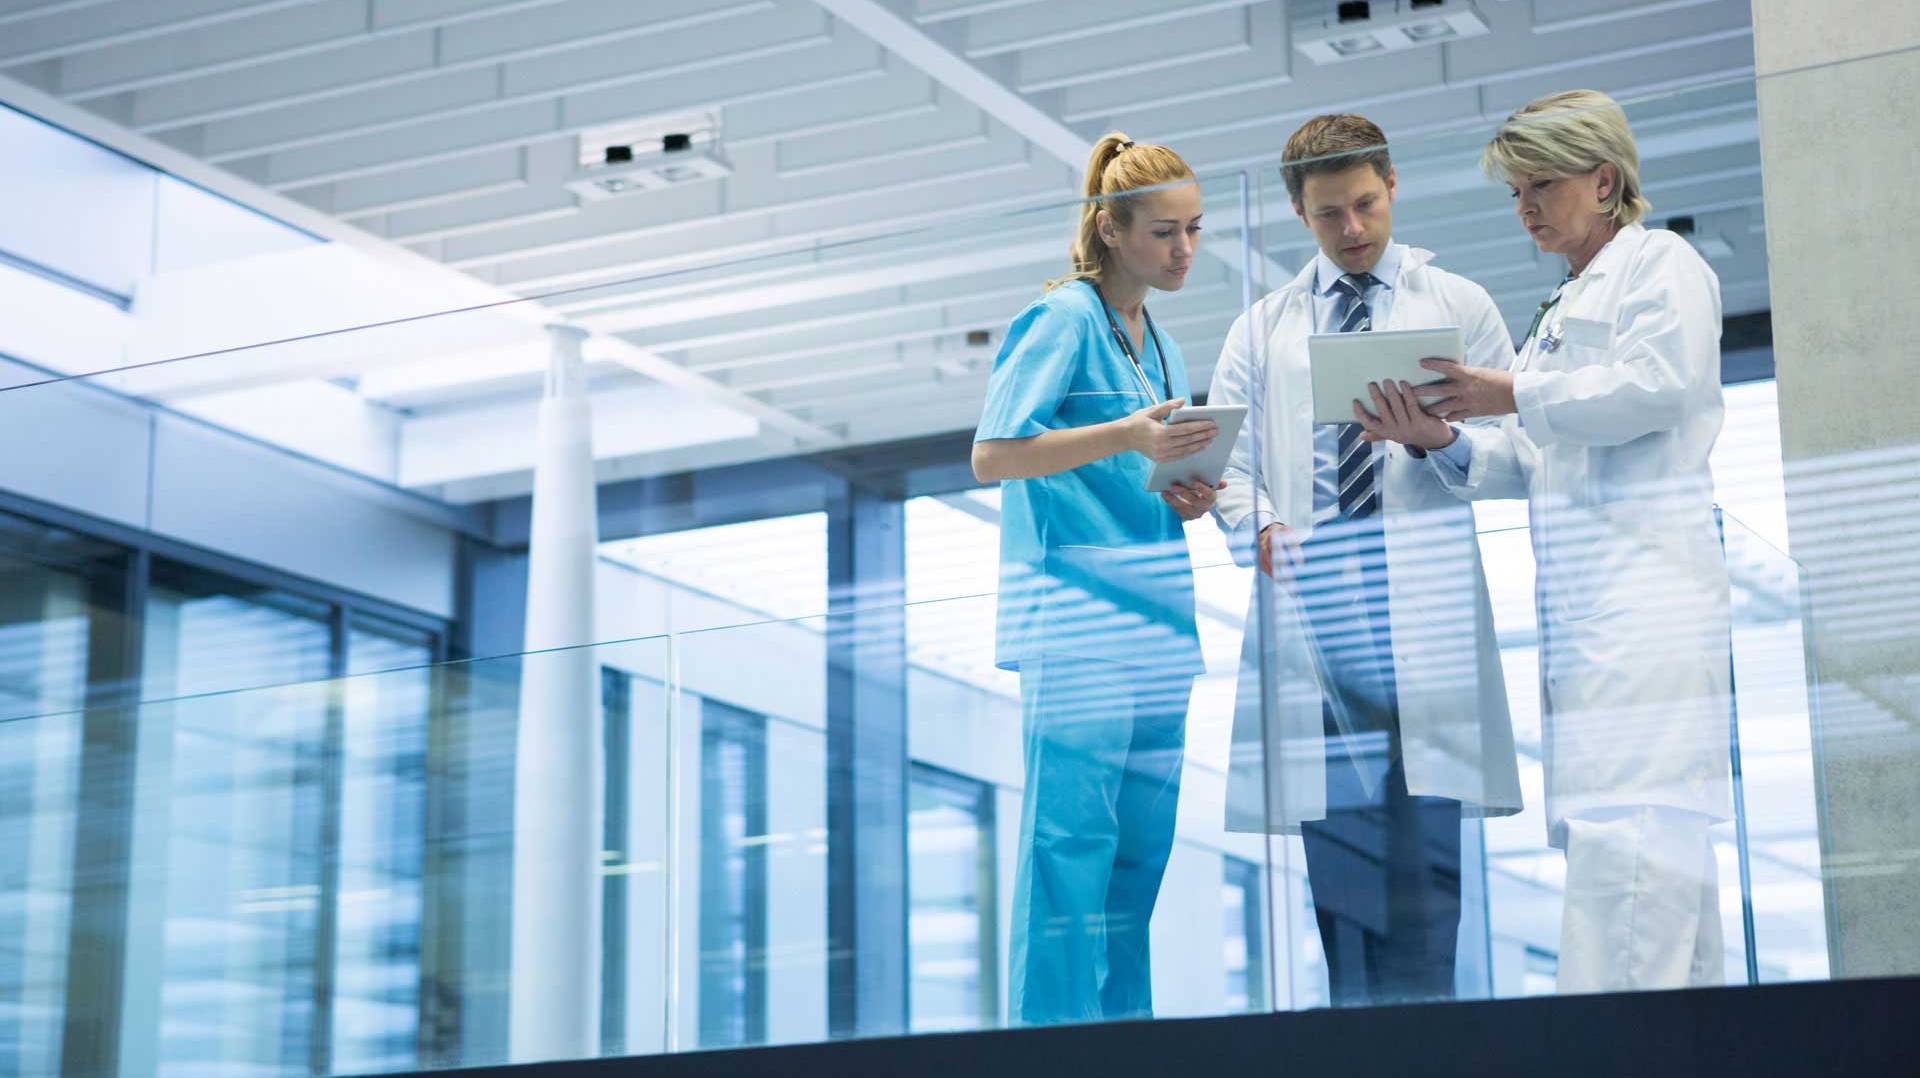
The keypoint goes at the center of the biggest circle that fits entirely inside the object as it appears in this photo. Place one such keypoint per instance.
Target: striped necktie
(1358, 494)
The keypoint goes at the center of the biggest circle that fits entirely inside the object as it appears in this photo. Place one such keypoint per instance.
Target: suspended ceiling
(897, 175)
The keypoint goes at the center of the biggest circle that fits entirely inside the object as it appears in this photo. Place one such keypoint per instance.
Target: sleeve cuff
(1459, 452)
(998, 429)
(1454, 464)
(1244, 538)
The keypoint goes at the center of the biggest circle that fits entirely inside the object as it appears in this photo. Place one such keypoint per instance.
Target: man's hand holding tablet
(1397, 416)
(1345, 365)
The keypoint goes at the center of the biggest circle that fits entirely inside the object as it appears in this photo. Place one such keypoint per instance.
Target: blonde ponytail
(1117, 165)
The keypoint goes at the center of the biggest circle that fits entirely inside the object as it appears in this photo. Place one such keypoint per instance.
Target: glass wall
(383, 777)
(244, 862)
(238, 806)
(733, 877)
(60, 646)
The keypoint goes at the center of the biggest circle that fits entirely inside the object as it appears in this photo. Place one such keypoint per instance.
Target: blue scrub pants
(1104, 744)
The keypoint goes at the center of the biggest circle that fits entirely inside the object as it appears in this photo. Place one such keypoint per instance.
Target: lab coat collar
(1621, 246)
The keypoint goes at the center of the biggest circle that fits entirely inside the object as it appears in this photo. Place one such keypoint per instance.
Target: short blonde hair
(1118, 165)
(1568, 134)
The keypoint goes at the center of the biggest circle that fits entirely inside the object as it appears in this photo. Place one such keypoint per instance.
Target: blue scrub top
(1092, 564)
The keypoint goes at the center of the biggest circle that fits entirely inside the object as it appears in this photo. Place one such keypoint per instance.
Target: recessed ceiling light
(648, 155)
(1360, 30)
(1425, 32)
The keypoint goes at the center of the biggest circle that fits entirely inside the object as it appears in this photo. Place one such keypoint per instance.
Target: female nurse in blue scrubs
(1096, 592)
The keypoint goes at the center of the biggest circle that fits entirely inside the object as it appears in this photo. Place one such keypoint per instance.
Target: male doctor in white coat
(1384, 718)
(1608, 419)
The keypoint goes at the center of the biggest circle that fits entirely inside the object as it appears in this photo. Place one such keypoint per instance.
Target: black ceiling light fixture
(1354, 11)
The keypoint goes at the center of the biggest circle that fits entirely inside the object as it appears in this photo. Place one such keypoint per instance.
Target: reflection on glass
(950, 926)
(1243, 921)
(48, 618)
(733, 876)
(616, 705)
(381, 847)
(235, 786)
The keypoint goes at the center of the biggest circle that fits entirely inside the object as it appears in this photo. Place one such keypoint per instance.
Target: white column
(558, 771)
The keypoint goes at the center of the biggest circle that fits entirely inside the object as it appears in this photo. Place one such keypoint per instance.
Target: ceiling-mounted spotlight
(1359, 28)
(647, 155)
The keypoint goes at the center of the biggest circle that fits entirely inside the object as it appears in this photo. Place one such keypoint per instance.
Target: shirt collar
(1387, 270)
(1614, 250)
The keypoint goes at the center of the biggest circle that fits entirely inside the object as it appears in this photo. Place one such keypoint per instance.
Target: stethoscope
(1126, 346)
(1555, 332)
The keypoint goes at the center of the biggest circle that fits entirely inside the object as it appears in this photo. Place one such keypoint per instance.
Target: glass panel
(1775, 728)
(233, 789)
(59, 605)
(951, 936)
(261, 937)
(643, 803)
(383, 765)
(359, 818)
(733, 876)
(1244, 935)
(751, 878)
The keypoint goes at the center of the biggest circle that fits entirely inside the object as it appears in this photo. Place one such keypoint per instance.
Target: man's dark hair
(1334, 143)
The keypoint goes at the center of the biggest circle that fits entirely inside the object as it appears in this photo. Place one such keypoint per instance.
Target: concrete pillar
(1840, 145)
(554, 1001)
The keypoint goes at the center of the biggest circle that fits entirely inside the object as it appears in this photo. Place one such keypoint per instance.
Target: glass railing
(325, 875)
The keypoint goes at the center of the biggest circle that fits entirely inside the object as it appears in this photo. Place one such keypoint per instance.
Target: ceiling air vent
(648, 155)
(1361, 28)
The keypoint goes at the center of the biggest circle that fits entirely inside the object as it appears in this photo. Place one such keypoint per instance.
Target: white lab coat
(1456, 738)
(1610, 449)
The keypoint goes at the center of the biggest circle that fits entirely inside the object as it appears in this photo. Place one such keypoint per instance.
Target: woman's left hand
(1470, 392)
(1191, 500)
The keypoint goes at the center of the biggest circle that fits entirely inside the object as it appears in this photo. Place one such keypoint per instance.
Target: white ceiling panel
(899, 170)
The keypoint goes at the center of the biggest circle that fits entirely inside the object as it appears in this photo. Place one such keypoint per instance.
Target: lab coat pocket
(1587, 332)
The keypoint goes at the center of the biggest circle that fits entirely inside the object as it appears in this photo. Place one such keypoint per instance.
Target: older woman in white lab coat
(1611, 410)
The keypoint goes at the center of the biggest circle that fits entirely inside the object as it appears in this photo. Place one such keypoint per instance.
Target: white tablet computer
(1343, 364)
(1206, 465)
